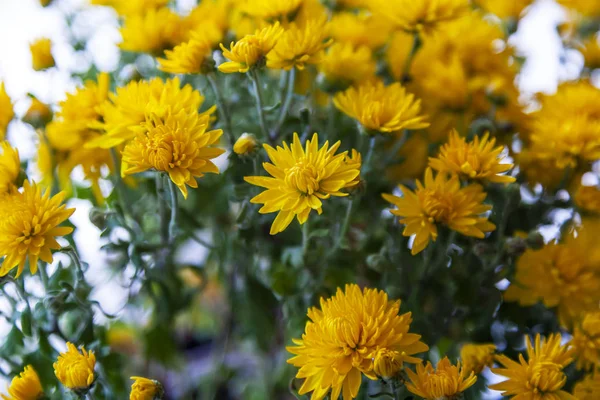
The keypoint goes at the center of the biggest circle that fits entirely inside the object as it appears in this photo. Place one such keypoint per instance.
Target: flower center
(303, 176)
(546, 377)
(165, 154)
(438, 207)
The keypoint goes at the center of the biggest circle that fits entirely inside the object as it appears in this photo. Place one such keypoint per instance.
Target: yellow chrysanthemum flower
(74, 369)
(362, 29)
(588, 388)
(541, 377)
(299, 45)
(271, 9)
(245, 144)
(10, 167)
(446, 381)
(145, 389)
(397, 52)
(419, 16)
(210, 18)
(193, 57)
(131, 7)
(178, 144)
(151, 32)
(6, 111)
(585, 7)
(301, 179)
(341, 55)
(505, 8)
(441, 201)
(250, 50)
(381, 108)
(477, 160)
(25, 386)
(590, 49)
(475, 357)
(128, 107)
(29, 226)
(359, 325)
(413, 155)
(587, 198)
(586, 342)
(38, 114)
(41, 54)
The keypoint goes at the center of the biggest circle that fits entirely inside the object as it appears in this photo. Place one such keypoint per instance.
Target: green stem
(72, 253)
(43, 275)
(372, 143)
(286, 105)
(120, 188)
(254, 77)
(344, 228)
(162, 210)
(223, 109)
(173, 222)
(305, 240)
(90, 396)
(411, 56)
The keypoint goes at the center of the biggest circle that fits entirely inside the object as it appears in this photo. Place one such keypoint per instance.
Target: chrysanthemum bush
(305, 199)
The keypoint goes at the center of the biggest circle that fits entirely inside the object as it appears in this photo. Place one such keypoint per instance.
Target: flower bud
(41, 54)
(387, 363)
(74, 369)
(38, 114)
(145, 389)
(245, 145)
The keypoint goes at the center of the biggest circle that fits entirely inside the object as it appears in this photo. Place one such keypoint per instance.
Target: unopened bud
(245, 145)
(387, 363)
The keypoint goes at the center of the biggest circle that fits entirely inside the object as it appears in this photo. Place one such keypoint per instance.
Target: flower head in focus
(145, 389)
(361, 326)
(335, 64)
(300, 179)
(75, 369)
(300, 45)
(541, 376)
(41, 54)
(179, 144)
(10, 167)
(245, 144)
(251, 50)
(441, 201)
(446, 381)
(6, 111)
(381, 108)
(193, 57)
(475, 357)
(25, 386)
(29, 227)
(152, 32)
(586, 342)
(588, 388)
(477, 160)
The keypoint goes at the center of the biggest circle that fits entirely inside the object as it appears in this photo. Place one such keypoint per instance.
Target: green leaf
(26, 321)
(13, 342)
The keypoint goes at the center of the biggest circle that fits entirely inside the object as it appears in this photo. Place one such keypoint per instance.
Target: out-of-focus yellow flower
(128, 107)
(361, 29)
(74, 369)
(193, 57)
(210, 16)
(45, 3)
(587, 198)
(25, 386)
(38, 114)
(30, 228)
(586, 342)
(299, 46)
(360, 324)
(419, 16)
(475, 357)
(178, 144)
(382, 108)
(41, 54)
(245, 144)
(590, 49)
(585, 7)
(476, 160)
(413, 157)
(251, 50)
(441, 201)
(397, 52)
(446, 381)
(6, 111)
(145, 389)
(541, 377)
(271, 9)
(449, 74)
(505, 8)
(151, 32)
(122, 339)
(344, 64)
(588, 388)
(544, 172)
(10, 167)
(351, 3)
(131, 7)
(300, 179)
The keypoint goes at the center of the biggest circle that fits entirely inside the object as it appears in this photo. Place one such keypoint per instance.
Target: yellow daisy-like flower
(446, 381)
(271, 9)
(10, 167)
(128, 107)
(74, 369)
(397, 52)
(586, 342)
(251, 50)
(381, 108)
(587, 198)
(477, 160)
(585, 7)
(335, 64)
(131, 7)
(25, 386)
(151, 32)
(541, 377)
(299, 45)
(41, 54)
(45, 3)
(441, 201)
(145, 389)
(245, 144)
(362, 29)
(29, 226)
(475, 357)
(588, 388)
(193, 57)
(590, 49)
(300, 179)
(6, 111)
(413, 155)
(419, 16)
(38, 114)
(178, 144)
(505, 8)
(344, 336)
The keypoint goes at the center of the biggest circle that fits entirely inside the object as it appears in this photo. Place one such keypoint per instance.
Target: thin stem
(200, 241)
(162, 209)
(72, 253)
(286, 105)
(372, 143)
(344, 228)
(120, 188)
(173, 222)
(254, 77)
(305, 240)
(90, 396)
(411, 56)
(223, 109)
